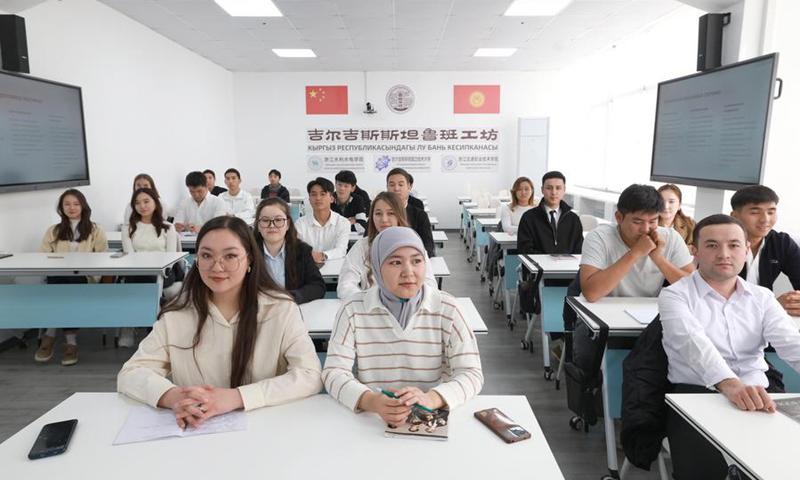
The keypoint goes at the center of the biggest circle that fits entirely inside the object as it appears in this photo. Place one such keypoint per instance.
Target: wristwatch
(324, 257)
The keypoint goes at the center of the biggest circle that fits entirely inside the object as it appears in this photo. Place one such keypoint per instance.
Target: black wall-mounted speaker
(709, 40)
(13, 44)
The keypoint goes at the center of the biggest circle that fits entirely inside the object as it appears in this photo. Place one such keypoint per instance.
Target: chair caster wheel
(548, 375)
(576, 423)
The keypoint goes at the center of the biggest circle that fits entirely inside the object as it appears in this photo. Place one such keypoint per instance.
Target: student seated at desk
(405, 337)
(144, 180)
(521, 201)
(211, 183)
(326, 231)
(233, 339)
(201, 207)
(715, 328)
(771, 252)
(399, 182)
(634, 257)
(274, 187)
(672, 216)
(356, 275)
(239, 203)
(552, 227)
(288, 259)
(75, 233)
(347, 204)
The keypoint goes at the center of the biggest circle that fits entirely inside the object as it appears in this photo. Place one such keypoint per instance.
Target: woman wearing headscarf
(407, 338)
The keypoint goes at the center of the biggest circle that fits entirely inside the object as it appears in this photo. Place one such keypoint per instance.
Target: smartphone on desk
(502, 426)
(53, 439)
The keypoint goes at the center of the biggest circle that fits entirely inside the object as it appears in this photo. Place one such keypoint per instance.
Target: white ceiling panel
(394, 34)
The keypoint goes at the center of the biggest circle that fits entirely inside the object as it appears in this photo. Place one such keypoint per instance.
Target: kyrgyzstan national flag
(476, 98)
(326, 100)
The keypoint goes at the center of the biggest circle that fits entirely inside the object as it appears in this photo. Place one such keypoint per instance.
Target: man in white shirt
(201, 207)
(326, 231)
(239, 202)
(634, 257)
(715, 328)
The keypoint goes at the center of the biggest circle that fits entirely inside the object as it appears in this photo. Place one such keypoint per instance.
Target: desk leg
(611, 434)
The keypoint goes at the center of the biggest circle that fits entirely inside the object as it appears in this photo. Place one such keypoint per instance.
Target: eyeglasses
(229, 262)
(269, 222)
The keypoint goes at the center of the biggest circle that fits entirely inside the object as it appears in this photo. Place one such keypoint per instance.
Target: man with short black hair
(551, 227)
(274, 187)
(347, 204)
(211, 183)
(326, 231)
(240, 203)
(715, 328)
(634, 257)
(201, 207)
(399, 182)
(771, 252)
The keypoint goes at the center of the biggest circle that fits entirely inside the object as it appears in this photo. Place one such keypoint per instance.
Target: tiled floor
(28, 389)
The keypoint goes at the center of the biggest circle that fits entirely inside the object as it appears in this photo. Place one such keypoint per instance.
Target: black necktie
(554, 224)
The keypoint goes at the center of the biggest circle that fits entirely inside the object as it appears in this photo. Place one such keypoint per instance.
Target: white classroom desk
(315, 436)
(763, 445)
(188, 240)
(506, 242)
(464, 198)
(330, 270)
(552, 309)
(434, 221)
(439, 237)
(320, 315)
(65, 306)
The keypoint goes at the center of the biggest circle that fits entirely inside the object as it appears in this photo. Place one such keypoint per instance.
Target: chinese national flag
(476, 98)
(326, 100)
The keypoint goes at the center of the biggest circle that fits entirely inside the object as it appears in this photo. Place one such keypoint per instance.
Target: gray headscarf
(384, 245)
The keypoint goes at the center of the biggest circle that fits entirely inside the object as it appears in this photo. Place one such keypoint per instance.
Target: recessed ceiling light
(249, 8)
(536, 8)
(494, 52)
(294, 52)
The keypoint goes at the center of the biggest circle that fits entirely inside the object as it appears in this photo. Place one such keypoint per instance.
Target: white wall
(150, 106)
(271, 124)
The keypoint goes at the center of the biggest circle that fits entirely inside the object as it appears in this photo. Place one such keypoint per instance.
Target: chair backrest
(589, 222)
(295, 192)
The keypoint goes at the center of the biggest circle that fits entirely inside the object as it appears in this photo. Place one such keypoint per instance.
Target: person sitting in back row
(634, 257)
(274, 188)
(240, 203)
(346, 204)
(673, 216)
(399, 182)
(326, 231)
(522, 201)
(552, 227)
(201, 207)
(211, 183)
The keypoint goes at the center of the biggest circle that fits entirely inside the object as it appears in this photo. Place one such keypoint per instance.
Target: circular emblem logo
(449, 163)
(476, 99)
(315, 164)
(400, 99)
(382, 163)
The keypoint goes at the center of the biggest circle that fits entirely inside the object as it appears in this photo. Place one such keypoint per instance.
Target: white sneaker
(126, 338)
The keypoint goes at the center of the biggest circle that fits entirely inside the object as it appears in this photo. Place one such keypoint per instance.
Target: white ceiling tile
(416, 44)
(378, 23)
(321, 34)
(197, 8)
(602, 9)
(422, 8)
(371, 33)
(268, 35)
(480, 8)
(272, 23)
(584, 22)
(626, 22)
(308, 23)
(218, 24)
(332, 45)
(560, 33)
(361, 8)
(414, 22)
(312, 8)
(472, 22)
(654, 9)
(374, 44)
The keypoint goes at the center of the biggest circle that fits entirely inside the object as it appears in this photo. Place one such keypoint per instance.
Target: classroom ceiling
(387, 35)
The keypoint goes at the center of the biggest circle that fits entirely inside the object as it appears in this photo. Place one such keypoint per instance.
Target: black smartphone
(53, 439)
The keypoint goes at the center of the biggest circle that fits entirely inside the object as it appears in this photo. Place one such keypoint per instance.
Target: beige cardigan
(97, 242)
(285, 366)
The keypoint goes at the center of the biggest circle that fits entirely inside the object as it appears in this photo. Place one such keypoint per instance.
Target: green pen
(416, 405)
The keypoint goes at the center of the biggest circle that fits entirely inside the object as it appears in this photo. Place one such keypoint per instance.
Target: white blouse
(145, 239)
(509, 219)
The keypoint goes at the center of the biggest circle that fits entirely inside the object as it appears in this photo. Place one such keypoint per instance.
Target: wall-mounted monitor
(42, 137)
(711, 127)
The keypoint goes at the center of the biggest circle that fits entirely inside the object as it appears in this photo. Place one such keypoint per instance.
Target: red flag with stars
(326, 100)
(476, 99)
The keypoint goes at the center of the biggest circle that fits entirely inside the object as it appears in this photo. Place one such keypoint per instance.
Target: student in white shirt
(233, 339)
(326, 231)
(144, 180)
(239, 202)
(356, 274)
(521, 201)
(201, 207)
(74, 233)
(406, 337)
(634, 257)
(715, 328)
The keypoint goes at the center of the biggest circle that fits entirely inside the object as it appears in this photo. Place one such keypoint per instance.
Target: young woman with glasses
(288, 258)
(232, 339)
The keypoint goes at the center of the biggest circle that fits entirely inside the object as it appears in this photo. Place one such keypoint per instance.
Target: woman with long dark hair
(288, 259)
(232, 339)
(74, 233)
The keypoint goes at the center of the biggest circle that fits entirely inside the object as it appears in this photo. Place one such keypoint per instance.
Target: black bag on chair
(528, 292)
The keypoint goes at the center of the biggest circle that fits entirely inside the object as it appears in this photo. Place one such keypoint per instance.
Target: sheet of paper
(642, 315)
(146, 423)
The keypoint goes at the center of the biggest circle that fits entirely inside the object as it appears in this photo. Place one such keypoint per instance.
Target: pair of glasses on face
(271, 222)
(229, 262)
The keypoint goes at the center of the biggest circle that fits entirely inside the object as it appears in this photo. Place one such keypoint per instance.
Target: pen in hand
(416, 405)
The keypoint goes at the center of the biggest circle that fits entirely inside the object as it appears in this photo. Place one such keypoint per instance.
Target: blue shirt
(277, 265)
